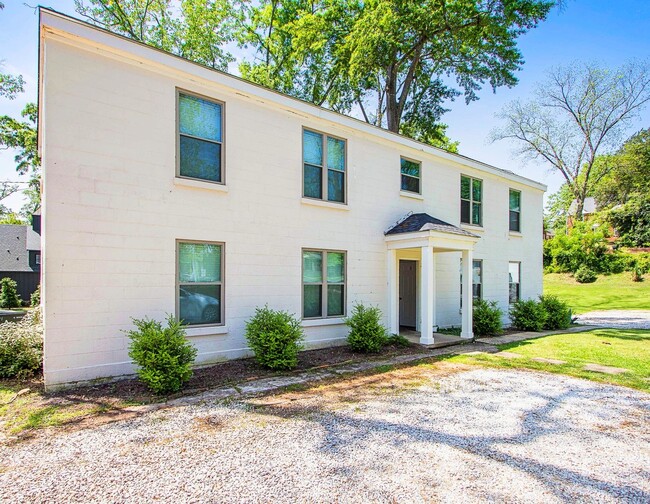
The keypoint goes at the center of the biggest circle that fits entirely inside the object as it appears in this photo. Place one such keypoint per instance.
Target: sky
(603, 31)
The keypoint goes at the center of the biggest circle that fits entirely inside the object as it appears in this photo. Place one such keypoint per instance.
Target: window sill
(323, 322)
(200, 184)
(516, 234)
(326, 204)
(205, 331)
(412, 195)
(472, 227)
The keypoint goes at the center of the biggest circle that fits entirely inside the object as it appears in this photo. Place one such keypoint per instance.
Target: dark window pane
(515, 198)
(200, 159)
(465, 192)
(410, 184)
(514, 221)
(335, 300)
(476, 214)
(464, 211)
(199, 304)
(410, 168)
(313, 182)
(199, 262)
(199, 118)
(335, 185)
(514, 293)
(477, 190)
(312, 148)
(335, 153)
(312, 266)
(313, 301)
(476, 291)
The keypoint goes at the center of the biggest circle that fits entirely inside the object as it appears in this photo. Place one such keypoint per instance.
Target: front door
(407, 293)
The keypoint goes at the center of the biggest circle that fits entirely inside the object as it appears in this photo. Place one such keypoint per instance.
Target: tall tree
(579, 112)
(393, 62)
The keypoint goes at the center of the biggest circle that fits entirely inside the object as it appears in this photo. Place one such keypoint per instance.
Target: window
(200, 138)
(200, 283)
(410, 175)
(514, 272)
(477, 280)
(471, 197)
(37, 258)
(515, 210)
(323, 284)
(323, 166)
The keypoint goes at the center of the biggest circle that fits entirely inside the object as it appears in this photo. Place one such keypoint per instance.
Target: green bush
(398, 340)
(558, 313)
(487, 318)
(637, 275)
(585, 275)
(527, 315)
(21, 347)
(35, 298)
(163, 355)
(9, 297)
(275, 337)
(367, 334)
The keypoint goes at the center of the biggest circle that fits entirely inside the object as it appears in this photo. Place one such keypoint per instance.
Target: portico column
(466, 322)
(393, 307)
(426, 295)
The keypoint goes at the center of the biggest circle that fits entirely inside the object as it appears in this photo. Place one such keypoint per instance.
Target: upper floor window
(323, 283)
(471, 201)
(200, 138)
(515, 210)
(199, 293)
(410, 175)
(324, 166)
(514, 274)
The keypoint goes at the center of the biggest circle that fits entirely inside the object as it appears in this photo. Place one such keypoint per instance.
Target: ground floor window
(514, 273)
(477, 280)
(323, 283)
(199, 283)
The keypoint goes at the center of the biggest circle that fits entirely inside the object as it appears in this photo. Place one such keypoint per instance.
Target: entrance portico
(421, 237)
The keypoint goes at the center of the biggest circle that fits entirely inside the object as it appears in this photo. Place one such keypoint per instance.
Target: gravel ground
(620, 319)
(478, 435)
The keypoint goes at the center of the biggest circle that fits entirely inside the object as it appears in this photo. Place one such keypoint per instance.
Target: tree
(579, 112)
(389, 60)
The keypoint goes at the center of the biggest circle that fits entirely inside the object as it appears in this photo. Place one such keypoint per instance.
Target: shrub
(163, 355)
(528, 315)
(35, 298)
(275, 337)
(558, 313)
(9, 297)
(21, 347)
(487, 318)
(398, 340)
(367, 334)
(585, 275)
(637, 274)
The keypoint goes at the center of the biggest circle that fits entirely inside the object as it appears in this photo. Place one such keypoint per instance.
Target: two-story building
(169, 187)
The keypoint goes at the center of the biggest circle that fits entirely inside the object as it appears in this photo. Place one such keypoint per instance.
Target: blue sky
(605, 31)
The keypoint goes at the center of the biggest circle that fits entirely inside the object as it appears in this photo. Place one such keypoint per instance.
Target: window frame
(518, 263)
(510, 211)
(471, 200)
(324, 167)
(222, 283)
(323, 283)
(419, 178)
(222, 160)
(473, 284)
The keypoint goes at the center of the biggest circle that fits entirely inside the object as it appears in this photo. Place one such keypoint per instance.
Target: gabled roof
(14, 255)
(424, 222)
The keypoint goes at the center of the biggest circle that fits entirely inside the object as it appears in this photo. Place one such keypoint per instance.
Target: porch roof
(424, 222)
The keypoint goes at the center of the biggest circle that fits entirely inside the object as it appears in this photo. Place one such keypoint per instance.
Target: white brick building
(172, 188)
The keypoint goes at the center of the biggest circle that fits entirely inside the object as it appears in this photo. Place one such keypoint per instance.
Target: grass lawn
(613, 292)
(629, 349)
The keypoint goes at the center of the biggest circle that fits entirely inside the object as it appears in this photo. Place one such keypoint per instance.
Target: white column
(426, 295)
(434, 299)
(466, 323)
(393, 291)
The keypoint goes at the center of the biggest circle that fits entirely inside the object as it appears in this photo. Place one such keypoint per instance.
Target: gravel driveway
(620, 319)
(464, 436)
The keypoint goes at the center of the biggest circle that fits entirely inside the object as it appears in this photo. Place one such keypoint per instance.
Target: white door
(407, 293)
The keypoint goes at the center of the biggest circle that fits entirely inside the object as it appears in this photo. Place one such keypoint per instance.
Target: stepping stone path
(549, 361)
(604, 369)
(509, 355)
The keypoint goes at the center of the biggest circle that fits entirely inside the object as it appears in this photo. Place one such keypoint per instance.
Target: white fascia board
(84, 34)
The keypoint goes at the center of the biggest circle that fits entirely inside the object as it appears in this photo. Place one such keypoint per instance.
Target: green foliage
(528, 315)
(35, 298)
(637, 275)
(22, 136)
(632, 220)
(11, 85)
(558, 313)
(398, 340)
(21, 347)
(12, 218)
(163, 356)
(487, 318)
(584, 245)
(275, 337)
(367, 334)
(585, 275)
(9, 297)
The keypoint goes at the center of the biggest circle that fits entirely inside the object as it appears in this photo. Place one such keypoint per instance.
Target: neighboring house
(173, 188)
(588, 209)
(20, 255)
